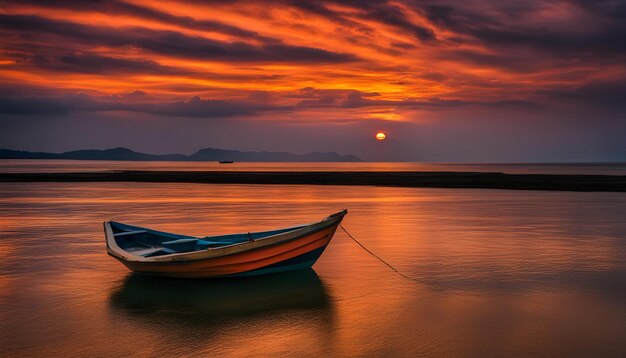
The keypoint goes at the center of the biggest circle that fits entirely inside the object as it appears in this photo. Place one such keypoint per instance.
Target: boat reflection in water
(199, 300)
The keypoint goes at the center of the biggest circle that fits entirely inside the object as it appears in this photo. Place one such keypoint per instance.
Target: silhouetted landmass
(207, 154)
(616, 183)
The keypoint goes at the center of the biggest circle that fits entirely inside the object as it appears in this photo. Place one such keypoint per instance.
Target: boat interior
(148, 243)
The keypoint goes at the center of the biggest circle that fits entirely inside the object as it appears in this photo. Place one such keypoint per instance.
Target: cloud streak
(168, 43)
(194, 107)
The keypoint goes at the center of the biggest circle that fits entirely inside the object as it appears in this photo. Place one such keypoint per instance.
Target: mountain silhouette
(206, 154)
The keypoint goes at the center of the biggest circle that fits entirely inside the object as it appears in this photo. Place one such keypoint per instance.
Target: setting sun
(380, 136)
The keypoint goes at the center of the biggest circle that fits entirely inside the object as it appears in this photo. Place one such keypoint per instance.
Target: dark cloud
(58, 106)
(389, 14)
(359, 99)
(614, 9)
(520, 103)
(254, 104)
(194, 107)
(512, 61)
(317, 98)
(384, 12)
(116, 7)
(356, 99)
(168, 43)
(513, 24)
(34, 105)
(98, 64)
(310, 92)
(90, 63)
(604, 95)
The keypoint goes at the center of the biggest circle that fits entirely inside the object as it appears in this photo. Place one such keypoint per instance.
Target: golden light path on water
(498, 273)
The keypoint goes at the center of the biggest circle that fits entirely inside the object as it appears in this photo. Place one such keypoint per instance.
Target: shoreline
(467, 180)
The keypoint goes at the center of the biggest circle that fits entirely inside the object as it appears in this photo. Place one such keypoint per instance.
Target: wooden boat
(163, 254)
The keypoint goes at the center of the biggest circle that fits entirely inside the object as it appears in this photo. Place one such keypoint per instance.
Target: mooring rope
(376, 256)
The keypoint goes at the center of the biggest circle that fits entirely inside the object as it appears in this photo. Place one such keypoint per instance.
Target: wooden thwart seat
(146, 251)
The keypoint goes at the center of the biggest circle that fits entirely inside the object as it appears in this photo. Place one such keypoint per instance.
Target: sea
(485, 272)
(60, 166)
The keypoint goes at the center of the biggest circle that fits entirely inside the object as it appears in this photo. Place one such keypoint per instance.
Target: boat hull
(296, 253)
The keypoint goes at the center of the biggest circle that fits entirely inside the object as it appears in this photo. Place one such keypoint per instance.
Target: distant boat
(163, 254)
(226, 162)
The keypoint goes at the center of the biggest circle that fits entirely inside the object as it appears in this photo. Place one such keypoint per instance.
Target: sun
(381, 136)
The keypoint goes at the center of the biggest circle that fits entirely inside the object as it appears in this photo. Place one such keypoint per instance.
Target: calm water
(498, 273)
(43, 166)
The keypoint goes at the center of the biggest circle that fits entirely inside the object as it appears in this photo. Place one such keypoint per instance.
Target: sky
(455, 81)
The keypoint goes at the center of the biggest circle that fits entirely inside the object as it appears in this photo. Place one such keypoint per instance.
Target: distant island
(203, 155)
